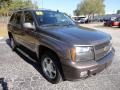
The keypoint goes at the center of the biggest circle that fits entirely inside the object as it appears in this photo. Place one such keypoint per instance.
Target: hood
(76, 35)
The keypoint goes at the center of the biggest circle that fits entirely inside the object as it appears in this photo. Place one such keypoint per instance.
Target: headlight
(82, 53)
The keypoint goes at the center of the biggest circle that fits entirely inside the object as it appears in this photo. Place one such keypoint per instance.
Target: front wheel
(50, 69)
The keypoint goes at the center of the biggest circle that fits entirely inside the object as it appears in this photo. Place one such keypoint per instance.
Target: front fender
(59, 47)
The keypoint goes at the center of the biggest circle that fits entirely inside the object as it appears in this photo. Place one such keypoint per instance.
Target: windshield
(45, 18)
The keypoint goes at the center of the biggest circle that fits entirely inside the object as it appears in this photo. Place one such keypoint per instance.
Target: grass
(3, 30)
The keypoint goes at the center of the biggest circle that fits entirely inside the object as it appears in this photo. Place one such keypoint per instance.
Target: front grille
(102, 50)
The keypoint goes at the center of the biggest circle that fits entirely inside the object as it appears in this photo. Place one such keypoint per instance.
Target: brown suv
(64, 50)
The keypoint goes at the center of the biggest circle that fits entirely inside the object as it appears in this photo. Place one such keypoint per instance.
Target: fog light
(84, 74)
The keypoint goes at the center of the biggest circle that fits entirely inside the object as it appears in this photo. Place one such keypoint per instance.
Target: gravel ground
(19, 73)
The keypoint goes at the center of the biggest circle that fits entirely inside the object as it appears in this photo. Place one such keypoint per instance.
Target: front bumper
(72, 70)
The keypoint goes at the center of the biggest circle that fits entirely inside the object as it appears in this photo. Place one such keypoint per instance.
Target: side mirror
(28, 26)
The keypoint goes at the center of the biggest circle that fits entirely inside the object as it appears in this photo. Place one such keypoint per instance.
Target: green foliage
(90, 7)
(10, 5)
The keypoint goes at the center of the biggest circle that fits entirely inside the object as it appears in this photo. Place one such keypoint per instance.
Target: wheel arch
(43, 49)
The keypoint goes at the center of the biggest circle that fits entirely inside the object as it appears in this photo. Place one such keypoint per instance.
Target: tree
(4, 3)
(90, 7)
(9, 5)
(20, 4)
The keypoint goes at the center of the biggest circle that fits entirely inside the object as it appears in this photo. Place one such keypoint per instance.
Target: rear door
(15, 26)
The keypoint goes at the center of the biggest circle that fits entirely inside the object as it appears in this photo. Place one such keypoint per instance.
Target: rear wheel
(50, 68)
(12, 43)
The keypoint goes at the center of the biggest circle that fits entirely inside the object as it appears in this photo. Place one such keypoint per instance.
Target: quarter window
(12, 19)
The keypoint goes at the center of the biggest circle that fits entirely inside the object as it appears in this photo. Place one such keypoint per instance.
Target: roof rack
(31, 9)
(42, 9)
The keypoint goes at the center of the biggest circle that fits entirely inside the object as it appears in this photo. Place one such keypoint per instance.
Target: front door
(30, 40)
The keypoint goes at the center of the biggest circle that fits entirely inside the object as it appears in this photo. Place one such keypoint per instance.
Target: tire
(51, 68)
(12, 43)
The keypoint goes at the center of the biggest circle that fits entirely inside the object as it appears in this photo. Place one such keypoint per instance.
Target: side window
(28, 18)
(18, 18)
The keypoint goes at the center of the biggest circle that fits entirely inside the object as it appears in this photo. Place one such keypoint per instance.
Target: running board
(26, 55)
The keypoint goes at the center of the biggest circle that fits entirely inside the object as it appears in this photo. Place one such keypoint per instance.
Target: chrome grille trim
(102, 45)
(102, 50)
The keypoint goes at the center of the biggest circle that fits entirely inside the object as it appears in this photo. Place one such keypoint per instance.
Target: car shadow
(3, 84)
(35, 64)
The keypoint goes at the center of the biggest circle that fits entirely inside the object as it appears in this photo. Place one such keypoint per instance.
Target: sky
(69, 5)
(112, 6)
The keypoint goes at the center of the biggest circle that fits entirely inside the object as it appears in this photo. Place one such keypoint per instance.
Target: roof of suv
(32, 9)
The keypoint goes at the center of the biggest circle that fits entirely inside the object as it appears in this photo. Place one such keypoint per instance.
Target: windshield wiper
(58, 24)
(66, 23)
(47, 25)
